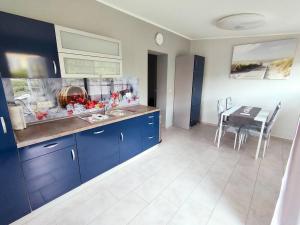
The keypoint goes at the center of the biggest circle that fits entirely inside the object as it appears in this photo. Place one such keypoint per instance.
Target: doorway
(157, 82)
(152, 80)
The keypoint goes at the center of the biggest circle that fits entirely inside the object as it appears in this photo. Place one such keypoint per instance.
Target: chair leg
(240, 141)
(265, 147)
(216, 135)
(269, 141)
(246, 137)
(235, 139)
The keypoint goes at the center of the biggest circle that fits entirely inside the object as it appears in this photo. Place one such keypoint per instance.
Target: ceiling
(195, 19)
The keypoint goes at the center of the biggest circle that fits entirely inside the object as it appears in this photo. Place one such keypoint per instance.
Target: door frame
(162, 79)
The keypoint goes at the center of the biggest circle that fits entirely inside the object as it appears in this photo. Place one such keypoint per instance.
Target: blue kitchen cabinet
(150, 130)
(13, 199)
(198, 74)
(28, 48)
(98, 150)
(130, 138)
(50, 169)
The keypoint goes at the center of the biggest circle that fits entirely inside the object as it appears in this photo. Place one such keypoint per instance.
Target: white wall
(162, 70)
(263, 93)
(137, 36)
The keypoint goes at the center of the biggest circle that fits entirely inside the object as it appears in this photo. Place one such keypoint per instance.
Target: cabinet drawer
(47, 147)
(102, 141)
(150, 124)
(51, 175)
(150, 131)
(151, 117)
(149, 141)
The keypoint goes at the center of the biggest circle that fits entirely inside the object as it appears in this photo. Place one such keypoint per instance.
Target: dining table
(245, 115)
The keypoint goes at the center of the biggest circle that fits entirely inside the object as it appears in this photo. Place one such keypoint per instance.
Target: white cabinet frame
(61, 49)
(84, 57)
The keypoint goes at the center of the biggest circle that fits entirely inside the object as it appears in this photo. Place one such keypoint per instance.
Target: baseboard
(209, 124)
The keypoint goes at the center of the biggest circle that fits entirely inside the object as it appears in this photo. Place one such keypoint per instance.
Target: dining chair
(229, 103)
(227, 126)
(254, 130)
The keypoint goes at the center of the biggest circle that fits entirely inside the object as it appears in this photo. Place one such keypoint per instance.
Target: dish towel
(287, 211)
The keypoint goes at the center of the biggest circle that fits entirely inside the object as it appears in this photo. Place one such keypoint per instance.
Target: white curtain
(287, 211)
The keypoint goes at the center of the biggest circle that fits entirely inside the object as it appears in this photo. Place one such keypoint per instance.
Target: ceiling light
(242, 21)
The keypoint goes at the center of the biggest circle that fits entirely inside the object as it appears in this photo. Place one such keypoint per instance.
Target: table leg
(260, 139)
(220, 131)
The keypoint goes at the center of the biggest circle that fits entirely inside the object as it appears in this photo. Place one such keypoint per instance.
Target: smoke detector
(241, 21)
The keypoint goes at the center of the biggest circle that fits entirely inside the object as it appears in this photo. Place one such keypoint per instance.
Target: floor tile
(159, 212)
(122, 212)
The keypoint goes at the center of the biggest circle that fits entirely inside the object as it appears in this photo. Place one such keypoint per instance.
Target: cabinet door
(28, 48)
(84, 43)
(13, 200)
(195, 114)
(51, 175)
(130, 138)
(150, 130)
(98, 150)
(196, 90)
(79, 66)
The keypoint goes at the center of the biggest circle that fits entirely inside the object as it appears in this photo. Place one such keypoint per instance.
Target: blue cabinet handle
(73, 154)
(122, 136)
(151, 137)
(99, 132)
(51, 145)
(150, 123)
(150, 117)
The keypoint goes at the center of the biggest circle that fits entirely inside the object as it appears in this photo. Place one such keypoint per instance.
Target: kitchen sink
(93, 117)
(119, 112)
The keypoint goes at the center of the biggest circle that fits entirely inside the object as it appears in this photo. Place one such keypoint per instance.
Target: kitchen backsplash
(52, 98)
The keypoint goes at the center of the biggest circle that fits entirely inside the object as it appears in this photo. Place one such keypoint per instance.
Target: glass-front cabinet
(84, 43)
(83, 54)
(78, 66)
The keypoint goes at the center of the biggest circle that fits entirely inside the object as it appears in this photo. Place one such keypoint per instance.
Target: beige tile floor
(185, 180)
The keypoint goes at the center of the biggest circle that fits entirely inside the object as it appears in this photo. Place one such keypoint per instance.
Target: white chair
(227, 127)
(254, 130)
(229, 103)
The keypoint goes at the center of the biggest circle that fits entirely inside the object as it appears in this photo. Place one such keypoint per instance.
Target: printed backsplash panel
(53, 98)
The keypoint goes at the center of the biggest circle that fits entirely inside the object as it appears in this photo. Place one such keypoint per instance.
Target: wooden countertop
(54, 129)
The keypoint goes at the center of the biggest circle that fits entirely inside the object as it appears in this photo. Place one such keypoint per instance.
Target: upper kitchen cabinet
(83, 43)
(28, 48)
(79, 66)
(83, 54)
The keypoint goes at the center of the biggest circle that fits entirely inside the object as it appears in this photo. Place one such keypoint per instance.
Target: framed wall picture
(271, 60)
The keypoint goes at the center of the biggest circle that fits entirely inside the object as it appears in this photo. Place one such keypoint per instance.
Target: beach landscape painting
(271, 60)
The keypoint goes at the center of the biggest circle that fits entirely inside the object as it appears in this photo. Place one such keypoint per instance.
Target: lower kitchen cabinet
(13, 200)
(130, 138)
(98, 150)
(150, 130)
(57, 166)
(50, 175)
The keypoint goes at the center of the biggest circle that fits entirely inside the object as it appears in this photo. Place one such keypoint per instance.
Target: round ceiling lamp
(241, 21)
